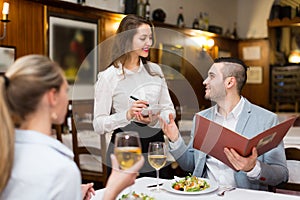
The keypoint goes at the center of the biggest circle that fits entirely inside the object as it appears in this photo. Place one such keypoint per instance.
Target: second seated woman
(130, 74)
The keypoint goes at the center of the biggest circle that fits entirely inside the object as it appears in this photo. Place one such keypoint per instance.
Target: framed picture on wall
(7, 57)
(72, 44)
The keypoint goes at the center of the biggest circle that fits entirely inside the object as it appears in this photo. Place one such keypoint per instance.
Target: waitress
(129, 85)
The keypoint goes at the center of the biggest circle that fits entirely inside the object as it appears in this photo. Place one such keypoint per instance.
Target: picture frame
(171, 60)
(72, 44)
(224, 53)
(255, 75)
(7, 57)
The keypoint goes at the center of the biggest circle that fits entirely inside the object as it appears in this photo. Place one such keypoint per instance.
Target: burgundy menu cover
(212, 138)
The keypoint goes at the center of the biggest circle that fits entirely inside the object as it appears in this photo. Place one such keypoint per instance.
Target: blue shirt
(43, 169)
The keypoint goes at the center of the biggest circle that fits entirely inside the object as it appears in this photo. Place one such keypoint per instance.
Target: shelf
(285, 22)
(190, 31)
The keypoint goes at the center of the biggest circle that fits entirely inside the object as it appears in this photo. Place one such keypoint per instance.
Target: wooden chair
(89, 175)
(176, 106)
(79, 109)
(291, 154)
(58, 130)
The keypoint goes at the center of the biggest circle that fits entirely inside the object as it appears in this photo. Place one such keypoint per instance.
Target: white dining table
(141, 184)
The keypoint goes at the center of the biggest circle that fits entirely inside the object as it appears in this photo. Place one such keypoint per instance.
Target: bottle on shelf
(81, 2)
(196, 23)
(227, 33)
(201, 22)
(141, 8)
(297, 14)
(130, 6)
(234, 32)
(147, 10)
(180, 18)
(206, 20)
(122, 6)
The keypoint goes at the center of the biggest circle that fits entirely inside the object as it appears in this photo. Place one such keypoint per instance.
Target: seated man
(224, 83)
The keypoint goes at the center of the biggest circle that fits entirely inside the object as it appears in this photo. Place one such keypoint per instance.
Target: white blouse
(113, 91)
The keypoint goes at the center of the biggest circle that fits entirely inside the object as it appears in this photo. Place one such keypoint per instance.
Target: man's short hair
(231, 60)
(236, 68)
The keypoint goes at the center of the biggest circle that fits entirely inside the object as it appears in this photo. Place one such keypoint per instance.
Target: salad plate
(210, 186)
(135, 196)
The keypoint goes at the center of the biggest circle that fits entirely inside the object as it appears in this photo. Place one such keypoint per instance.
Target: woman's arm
(104, 121)
(120, 179)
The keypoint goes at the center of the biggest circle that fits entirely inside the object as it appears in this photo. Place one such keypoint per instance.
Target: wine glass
(157, 157)
(127, 150)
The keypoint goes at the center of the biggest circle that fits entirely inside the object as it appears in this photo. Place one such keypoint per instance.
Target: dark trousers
(147, 135)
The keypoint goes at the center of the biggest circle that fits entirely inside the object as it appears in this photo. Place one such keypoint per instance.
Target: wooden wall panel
(258, 93)
(25, 31)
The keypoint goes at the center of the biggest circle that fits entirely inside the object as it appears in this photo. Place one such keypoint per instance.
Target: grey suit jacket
(252, 121)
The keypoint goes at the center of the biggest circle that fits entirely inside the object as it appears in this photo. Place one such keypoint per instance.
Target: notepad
(155, 109)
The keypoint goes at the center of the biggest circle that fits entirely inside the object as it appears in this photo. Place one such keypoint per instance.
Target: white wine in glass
(127, 149)
(157, 161)
(157, 157)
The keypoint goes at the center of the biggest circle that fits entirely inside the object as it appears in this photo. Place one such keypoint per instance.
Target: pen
(136, 99)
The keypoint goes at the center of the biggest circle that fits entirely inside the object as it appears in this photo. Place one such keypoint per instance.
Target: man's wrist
(174, 139)
(255, 171)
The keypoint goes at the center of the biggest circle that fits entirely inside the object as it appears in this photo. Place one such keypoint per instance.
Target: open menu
(212, 138)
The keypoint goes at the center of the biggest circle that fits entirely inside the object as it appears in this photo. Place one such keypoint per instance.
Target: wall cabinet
(284, 37)
(286, 88)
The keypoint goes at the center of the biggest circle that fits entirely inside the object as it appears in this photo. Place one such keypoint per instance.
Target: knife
(150, 186)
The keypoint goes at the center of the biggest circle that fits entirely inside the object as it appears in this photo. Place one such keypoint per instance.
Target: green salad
(136, 196)
(190, 184)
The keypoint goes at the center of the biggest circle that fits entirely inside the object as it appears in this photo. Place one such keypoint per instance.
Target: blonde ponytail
(22, 88)
(7, 135)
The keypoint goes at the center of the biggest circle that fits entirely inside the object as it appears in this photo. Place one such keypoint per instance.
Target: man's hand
(239, 162)
(170, 129)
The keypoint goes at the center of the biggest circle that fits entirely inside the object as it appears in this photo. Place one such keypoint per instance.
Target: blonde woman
(33, 97)
(33, 165)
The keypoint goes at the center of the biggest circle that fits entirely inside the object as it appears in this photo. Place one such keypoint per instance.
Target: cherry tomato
(176, 187)
(135, 195)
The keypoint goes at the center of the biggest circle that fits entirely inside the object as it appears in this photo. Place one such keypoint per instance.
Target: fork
(222, 192)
